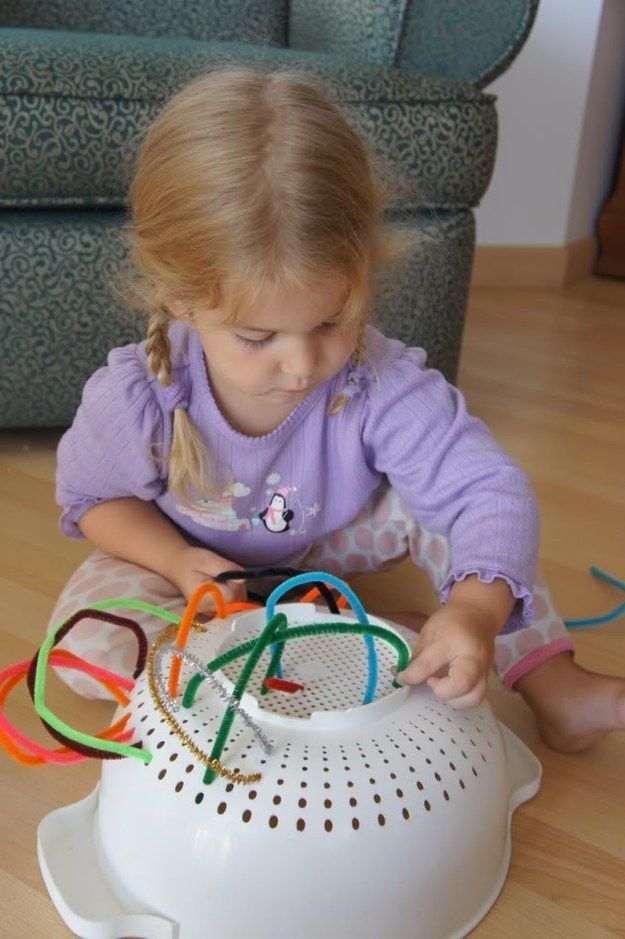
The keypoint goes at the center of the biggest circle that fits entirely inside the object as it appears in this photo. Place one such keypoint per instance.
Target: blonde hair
(247, 177)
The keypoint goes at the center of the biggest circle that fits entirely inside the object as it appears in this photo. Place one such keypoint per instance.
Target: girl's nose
(300, 361)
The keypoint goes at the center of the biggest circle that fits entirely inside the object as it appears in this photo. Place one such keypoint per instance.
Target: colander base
(90, 908)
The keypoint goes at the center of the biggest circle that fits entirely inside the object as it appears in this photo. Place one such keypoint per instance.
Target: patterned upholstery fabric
(80, 78)
(261, 21)
(464, 40)
(58, 320)
(72, 101)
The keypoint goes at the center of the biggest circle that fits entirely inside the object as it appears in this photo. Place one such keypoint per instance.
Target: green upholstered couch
(79, 77)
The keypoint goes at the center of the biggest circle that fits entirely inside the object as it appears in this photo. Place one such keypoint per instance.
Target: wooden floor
(544, 369)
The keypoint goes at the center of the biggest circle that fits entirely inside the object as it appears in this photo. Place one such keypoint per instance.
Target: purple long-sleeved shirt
(312, 474)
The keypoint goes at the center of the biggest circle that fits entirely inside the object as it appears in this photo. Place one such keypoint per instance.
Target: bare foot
(573, 707)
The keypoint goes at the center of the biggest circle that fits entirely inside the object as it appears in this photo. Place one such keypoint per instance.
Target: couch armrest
(471, 42)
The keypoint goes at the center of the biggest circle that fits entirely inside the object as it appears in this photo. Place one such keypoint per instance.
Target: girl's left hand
(458, 637)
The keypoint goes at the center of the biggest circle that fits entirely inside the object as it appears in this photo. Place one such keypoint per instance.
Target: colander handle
(357, 607)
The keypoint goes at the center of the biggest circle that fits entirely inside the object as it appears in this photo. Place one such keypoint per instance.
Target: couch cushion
(58, 320)
(263, 21)
(71, 101)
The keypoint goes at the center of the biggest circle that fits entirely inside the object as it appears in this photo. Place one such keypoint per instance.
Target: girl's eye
(252, 343)
(257, 343)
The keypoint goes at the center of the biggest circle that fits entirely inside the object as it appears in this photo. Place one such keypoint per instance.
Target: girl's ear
(176, 305)
(171, 301)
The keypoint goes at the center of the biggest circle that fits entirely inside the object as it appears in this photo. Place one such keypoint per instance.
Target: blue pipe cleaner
(357, 607)
(608, 617)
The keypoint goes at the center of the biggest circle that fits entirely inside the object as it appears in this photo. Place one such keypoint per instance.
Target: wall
(561, 112)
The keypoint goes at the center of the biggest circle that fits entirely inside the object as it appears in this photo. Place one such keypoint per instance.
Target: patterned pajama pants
(382, 535)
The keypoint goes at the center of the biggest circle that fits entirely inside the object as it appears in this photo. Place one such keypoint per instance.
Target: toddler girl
(265, 420)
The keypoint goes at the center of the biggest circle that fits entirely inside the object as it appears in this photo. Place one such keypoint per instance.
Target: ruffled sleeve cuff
(70, 515)
(523, 610)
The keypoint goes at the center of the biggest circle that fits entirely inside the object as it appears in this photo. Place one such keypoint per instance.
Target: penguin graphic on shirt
(276, 516)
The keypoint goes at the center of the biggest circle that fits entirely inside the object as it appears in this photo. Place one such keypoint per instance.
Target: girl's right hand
(194, 566)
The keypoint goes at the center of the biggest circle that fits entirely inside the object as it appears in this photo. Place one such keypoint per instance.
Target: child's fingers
(206, 604)
(425, 664)
(472, 699)
(464, 674)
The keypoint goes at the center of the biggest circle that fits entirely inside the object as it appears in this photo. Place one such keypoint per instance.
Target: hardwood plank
(544, 369)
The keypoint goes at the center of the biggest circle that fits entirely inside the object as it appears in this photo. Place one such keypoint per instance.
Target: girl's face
(290, 342)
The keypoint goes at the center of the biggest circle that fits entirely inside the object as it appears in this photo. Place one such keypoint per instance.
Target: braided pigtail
(190, 469)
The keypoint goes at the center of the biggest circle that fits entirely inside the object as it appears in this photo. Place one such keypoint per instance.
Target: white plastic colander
(384, 819)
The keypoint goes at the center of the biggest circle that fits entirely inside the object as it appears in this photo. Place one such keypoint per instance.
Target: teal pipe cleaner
(607, 617)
